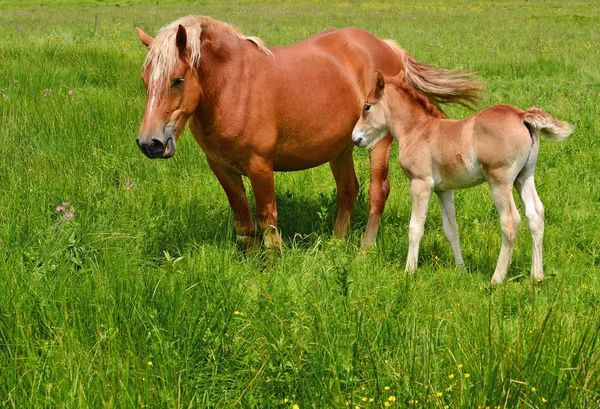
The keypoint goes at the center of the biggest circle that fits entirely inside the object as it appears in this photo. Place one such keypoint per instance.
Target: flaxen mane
(431, 109)
(163, 53)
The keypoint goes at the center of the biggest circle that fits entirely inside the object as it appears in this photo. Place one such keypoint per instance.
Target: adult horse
(255, 110)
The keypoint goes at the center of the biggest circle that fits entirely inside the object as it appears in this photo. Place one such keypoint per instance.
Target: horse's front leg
(236, 194)
(420, 191)
(379, 189)
(342, 168)
(260, 173)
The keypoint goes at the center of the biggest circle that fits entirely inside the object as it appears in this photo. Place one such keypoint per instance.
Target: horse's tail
(550, 128)
(441, 86)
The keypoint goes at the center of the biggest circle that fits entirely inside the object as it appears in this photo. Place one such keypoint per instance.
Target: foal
(499, 144)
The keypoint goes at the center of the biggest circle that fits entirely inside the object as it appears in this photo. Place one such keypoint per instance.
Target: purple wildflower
(47, 92)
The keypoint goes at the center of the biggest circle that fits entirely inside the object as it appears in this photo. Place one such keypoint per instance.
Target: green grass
(143, 299)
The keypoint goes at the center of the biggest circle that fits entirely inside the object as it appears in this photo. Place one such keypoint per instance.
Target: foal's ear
(401, 76)
(379, 82)
(181, 41)
(145, 38)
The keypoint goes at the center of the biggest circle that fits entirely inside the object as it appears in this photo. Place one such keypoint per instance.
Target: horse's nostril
(156, 146)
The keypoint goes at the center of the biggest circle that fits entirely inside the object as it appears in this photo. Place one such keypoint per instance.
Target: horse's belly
(301, 154)
(462, 179)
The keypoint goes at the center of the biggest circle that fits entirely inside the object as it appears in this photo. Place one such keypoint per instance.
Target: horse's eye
(177, 82)
(367, 107)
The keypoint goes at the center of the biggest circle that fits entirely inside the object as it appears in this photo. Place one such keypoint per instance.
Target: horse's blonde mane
(430, 108)
(163, 53)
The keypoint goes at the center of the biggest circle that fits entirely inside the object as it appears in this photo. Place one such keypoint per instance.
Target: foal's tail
(441, 86)
(549, 127)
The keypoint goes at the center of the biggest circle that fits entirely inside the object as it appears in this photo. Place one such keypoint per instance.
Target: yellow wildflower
(544, 400)
(451, 376)
(387, 388)
(392, 398)
(364, 399)
(149, 363)
(533, 390)
(467, 375)
(285, 400)
(439, 394)
(295, 406)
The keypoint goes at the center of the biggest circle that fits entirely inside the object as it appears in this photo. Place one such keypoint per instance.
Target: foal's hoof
(461, 268)
(496, 281)
(537, 279)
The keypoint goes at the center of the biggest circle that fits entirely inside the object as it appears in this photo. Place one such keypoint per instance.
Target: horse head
(172, 89)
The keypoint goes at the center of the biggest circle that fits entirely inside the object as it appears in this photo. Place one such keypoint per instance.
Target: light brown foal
(254, 110)
(499, 145)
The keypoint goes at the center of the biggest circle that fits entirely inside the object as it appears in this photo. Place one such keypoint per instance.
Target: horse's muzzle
(155, 148)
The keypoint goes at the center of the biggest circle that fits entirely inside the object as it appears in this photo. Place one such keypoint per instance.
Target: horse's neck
(407, 117)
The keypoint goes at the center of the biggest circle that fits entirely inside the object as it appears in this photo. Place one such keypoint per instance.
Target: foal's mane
(417, 96)
(163, 53)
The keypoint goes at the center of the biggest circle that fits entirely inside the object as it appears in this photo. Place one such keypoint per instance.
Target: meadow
(121, 284)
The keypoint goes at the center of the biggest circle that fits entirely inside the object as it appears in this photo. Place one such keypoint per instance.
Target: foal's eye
(177, 82)
(367, 107)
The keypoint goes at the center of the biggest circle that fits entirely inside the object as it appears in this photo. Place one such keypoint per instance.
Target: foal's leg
(420, 190)
(236, 194)
(379, 188)
(509, 222)
(449, 221)
(260, 173)
(342, 167)
(534, 210)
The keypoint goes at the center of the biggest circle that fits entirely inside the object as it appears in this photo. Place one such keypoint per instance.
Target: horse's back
(500, 135)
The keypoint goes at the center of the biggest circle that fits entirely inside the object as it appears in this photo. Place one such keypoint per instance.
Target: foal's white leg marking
(534, 210)
(449, 221)
(420, 191)
(509, 222)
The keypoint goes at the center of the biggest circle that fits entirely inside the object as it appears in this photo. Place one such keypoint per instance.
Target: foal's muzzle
(155, 148)
(359, 140)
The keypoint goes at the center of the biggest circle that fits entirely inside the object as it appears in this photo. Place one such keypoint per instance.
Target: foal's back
(500, 138)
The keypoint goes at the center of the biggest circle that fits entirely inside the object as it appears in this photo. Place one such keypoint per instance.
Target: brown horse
(255, 110)
(499, 144)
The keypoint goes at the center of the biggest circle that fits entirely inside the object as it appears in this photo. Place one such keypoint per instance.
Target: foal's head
(172, 87)
(372, 125)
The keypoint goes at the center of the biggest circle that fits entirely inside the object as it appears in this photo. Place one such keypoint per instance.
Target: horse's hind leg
(449, 221)
(379, 188)
(534, 210)
(509, 222)
(236, 194)
(342, 167)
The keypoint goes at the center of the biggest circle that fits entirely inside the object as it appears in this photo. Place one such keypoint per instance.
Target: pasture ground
(134, 294)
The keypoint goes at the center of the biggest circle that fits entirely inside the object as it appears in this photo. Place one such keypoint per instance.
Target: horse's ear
(181, 41)
(401, 76)
(145, 38)
(379, 82)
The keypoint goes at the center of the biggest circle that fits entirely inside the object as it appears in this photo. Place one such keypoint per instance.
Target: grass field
(122, 285)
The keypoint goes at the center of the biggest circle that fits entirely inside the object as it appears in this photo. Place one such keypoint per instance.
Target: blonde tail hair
(550, 128)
